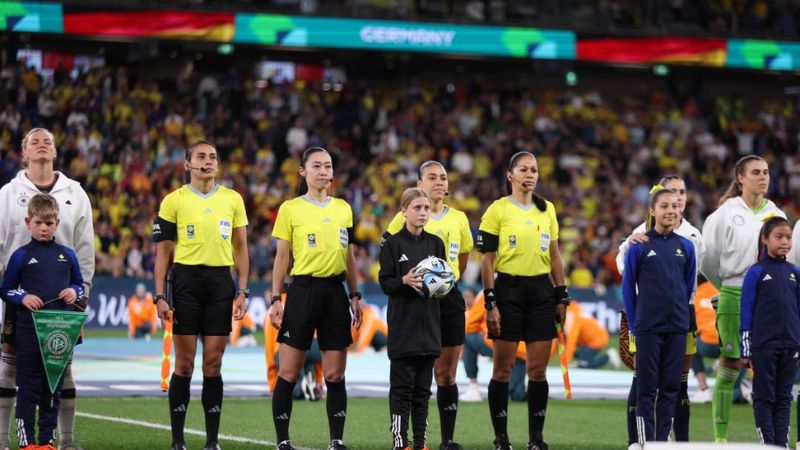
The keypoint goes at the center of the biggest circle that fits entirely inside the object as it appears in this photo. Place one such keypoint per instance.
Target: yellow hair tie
(656, 188)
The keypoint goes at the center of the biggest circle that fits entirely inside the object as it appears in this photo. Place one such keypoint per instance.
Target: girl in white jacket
(730, 247)
(75, 231)
(685, 229)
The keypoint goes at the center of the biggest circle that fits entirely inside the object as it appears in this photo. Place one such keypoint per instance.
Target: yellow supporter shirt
(451, 226)
(205, 224)
(319, 234)
(524, 234)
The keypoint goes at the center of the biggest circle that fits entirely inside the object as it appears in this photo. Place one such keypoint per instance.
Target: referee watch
(159, 297)
(488, 299)
(245, 292)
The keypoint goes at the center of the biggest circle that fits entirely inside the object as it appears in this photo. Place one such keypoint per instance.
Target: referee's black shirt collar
(407, 234)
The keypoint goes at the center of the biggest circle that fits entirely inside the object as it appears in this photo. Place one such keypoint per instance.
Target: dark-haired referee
(205, 222)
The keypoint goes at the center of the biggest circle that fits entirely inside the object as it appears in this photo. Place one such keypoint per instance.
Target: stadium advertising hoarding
(31, 17)
(322, 32)
(108, 302)
(294, 31)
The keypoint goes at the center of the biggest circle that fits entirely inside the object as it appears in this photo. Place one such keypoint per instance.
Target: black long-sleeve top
(414, 324)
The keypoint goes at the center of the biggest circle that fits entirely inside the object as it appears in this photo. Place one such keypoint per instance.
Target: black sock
(212, 405)
(498, 408)
(681, 423)
(537, 406)
(633, 432)
(178, 403)
(447, 399)
(336, 405)
(282, 408)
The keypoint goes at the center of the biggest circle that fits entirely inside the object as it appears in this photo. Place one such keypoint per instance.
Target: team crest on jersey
(512, 241)
(454, 247)
(189, 231)
(344, 239)
(544, 241)
(225, 229)
(312, 240)
(738, 220)
(22, 200)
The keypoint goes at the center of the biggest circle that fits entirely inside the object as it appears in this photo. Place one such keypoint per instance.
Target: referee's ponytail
(302, 186)
(540, 203)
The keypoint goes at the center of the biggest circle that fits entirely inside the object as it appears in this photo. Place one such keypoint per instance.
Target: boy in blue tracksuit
(657, 287)
(41, 274)
(770, 326)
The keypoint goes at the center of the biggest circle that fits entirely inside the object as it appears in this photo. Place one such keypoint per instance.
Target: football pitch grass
(143, 423)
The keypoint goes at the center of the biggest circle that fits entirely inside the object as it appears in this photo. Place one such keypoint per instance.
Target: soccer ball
(437, 277)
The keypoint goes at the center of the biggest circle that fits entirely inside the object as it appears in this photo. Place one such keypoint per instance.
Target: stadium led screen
(706, 52)
(217, 27)
(293, 31)
(758, 54)
(31, 17)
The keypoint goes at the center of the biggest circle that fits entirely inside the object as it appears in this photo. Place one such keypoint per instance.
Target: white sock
(8, 392)
(66, 412)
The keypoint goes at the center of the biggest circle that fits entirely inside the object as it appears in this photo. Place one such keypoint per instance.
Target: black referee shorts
(452, 318)
(316, 304)
(203, 300)
(9, 335)
(527, 308)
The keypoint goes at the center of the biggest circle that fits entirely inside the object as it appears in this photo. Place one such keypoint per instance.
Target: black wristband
(488, 299)
(355, 294)
(275, 298)
(561, 295)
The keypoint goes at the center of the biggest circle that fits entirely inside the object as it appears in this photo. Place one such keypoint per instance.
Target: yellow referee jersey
(205, 224)
(319, 234)
(451, 226)
(524, 233)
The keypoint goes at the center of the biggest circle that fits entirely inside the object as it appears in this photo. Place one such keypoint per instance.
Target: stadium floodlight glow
(225, 49)
(572, 78)
(661, 70)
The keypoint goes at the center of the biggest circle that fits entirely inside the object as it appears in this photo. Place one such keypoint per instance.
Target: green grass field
(573, 424)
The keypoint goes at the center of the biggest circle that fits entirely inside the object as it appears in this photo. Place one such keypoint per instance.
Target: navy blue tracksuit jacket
(770, 326)
(657, 284)
(43, 269)
(657, 287)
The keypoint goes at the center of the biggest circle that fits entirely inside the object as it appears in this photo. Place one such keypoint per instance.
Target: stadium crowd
(123, 136)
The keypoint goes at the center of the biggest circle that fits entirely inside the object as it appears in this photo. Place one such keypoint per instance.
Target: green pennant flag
(58, 332)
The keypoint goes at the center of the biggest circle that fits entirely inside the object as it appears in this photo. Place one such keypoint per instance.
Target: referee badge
(512, 241)
(343, 238)
(454, 247)
(225, 229)
(312, 240)
(544, 241)
(190, 231)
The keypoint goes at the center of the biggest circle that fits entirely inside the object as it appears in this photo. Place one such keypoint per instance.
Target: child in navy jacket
(657, 287)
(41, 274)
(770, 326)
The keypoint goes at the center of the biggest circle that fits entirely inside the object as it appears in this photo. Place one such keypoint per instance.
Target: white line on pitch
(159, 426)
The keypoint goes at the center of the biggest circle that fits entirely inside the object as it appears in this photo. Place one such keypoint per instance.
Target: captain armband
(487, 242)
(164, 230)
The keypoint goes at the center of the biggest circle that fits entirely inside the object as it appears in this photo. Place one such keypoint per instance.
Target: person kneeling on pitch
(657, 288)
(415, 335)
(40, 275)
